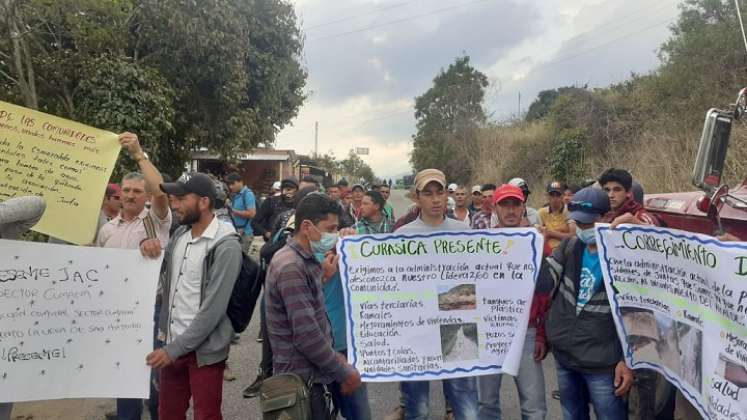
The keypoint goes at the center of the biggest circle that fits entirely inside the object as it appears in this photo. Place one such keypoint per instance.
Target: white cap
(452, 187)
(476, 188)
(276, 185)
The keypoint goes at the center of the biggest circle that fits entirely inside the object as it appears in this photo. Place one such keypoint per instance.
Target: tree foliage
(448, 117)
(649, 123)
(225, 75)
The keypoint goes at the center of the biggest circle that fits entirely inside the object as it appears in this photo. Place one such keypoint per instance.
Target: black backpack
(245, 292)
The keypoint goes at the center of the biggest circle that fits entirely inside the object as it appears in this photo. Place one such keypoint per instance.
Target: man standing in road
(273, 206)
(201, 264)
(461, 393)
(476, 201)
(243, 209)
(554, 222)
(530, 380)
(297, 323)
(137, 226)
(483, 219)
(373, 219)
(385, 191)
(531, 213)
(461, 210)
(580, 327)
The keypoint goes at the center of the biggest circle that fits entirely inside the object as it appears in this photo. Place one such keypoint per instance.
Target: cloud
(363, 81)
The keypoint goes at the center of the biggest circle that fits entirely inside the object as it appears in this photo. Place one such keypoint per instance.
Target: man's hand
(352, 383)
(329, 265)
(540, 351)
(150, 248)
(728, 237)
(158, 359)
(627, 218)
(623, 379)
(347, 232)
(130, 142)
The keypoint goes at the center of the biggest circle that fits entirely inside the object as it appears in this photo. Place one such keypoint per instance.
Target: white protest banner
(679, 301)
(75, 322)
(438, 305)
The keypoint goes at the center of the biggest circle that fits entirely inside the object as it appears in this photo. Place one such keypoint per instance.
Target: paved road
(244, 360)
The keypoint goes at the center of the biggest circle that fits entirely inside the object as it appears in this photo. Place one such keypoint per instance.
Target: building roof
(260, 154)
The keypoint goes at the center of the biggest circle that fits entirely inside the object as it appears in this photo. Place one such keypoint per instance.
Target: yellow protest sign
(67, 163)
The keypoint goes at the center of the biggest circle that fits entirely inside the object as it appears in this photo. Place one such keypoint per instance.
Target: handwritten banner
(439, 305)
(67, 163)
(75, 322)
(679, 301)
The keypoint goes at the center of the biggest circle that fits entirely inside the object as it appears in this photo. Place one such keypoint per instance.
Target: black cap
(289, 182)
(199, 184)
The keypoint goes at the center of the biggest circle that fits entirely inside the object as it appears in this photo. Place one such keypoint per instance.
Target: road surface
(243, 361)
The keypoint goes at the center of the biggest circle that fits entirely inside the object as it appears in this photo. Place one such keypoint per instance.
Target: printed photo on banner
(438, 305)
(679, 301)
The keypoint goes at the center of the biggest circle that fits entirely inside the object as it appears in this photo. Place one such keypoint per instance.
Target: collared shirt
(297, 323)
(557, 221)
(365, 226)
(482, 220)
(119, 233)
(186, 274)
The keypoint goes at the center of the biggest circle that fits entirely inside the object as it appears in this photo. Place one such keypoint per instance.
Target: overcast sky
(367, 60)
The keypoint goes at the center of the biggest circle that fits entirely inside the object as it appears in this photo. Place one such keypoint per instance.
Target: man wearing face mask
(273, 206)
(580, 328)
(297, 325)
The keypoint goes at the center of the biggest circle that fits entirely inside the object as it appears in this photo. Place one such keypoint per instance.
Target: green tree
(448, 117)
(355, 169)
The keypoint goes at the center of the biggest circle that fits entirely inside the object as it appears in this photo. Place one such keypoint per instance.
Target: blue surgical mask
(586, 236)
(319, 256)
(325, 244)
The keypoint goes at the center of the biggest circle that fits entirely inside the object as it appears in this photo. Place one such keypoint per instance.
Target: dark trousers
(129, 408)
(266, 364)
(320, 403)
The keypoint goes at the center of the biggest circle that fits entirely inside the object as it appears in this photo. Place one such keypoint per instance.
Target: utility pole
(519, 114)
(316, 139)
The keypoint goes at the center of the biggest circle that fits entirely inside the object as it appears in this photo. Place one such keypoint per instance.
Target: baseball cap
(476, 189)
(519, 182)
(113, 190)
(199, 184)
(276, 185)
(452, 187)
(588, 205)
(427, 176)
(289, 182)
(507, 191)
(357, 186)
(556, 187)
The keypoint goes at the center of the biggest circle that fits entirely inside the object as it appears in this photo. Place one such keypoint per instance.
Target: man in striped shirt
(297, 323)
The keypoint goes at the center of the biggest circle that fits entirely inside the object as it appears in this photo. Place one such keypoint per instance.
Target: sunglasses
(582, 206)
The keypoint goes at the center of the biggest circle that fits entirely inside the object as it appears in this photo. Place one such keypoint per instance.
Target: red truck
(715, 208)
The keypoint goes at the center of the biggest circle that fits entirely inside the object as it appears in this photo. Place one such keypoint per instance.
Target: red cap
(113, 189)
(507, 191)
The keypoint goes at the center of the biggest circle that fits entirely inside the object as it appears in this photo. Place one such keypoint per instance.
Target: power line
(345, 19)
(392, 22)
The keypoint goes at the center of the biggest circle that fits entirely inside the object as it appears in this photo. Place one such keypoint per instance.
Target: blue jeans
(461, 394)
(578, 389)
(530, 382)
(351, 407)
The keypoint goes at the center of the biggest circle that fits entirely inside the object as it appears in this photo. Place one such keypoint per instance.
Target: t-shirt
(591, 279)
(244, 200)
(334, 301)
(554, 221)
(418, 226)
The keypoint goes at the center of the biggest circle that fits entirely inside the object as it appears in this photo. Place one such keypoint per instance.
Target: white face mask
(325, 244)
(586, 236)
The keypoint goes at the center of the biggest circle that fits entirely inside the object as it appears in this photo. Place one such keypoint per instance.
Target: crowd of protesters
(202, 225)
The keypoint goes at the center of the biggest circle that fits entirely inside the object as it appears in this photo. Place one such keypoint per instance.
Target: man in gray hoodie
(201, 264)
(17, 216)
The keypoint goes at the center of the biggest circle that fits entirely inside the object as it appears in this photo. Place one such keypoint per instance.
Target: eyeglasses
(581, 206)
